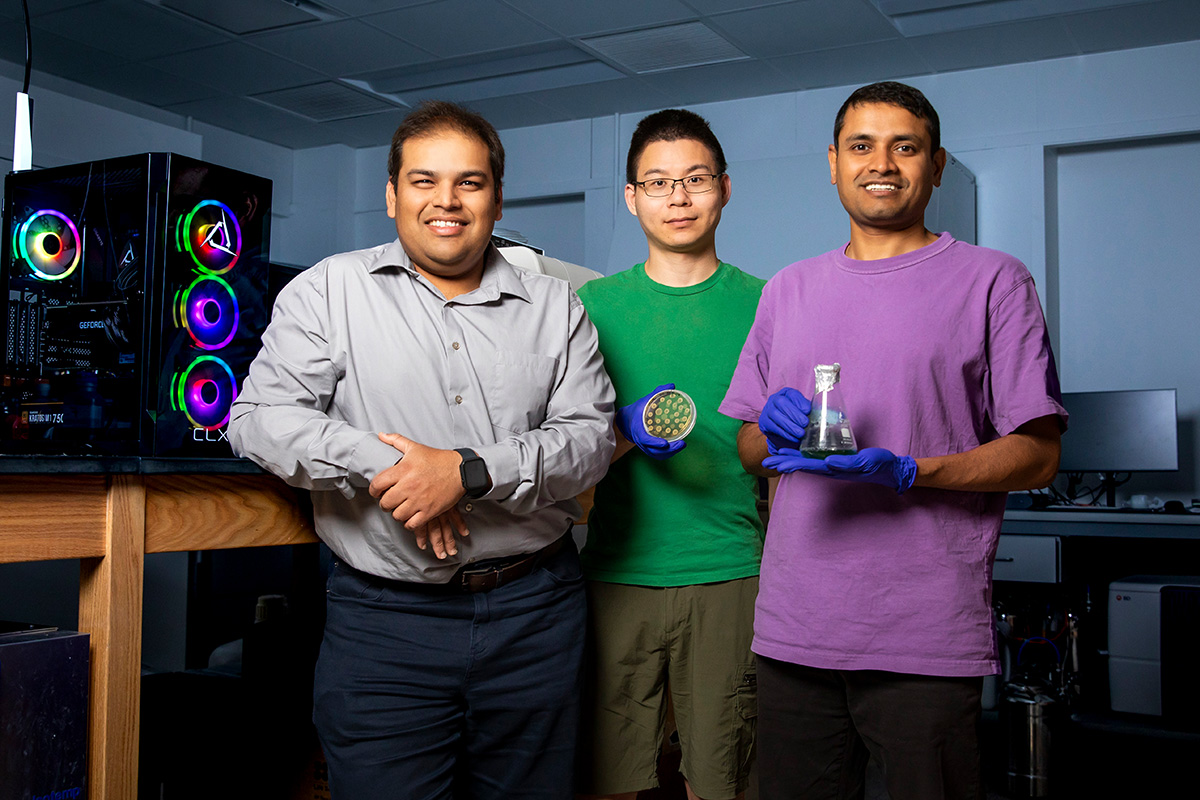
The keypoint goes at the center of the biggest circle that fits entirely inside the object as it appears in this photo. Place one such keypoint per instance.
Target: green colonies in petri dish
(670, 414)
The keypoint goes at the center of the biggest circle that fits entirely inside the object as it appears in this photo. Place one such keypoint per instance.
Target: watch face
(474, 474)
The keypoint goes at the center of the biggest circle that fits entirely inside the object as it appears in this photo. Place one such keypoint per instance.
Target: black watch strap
(473, 470)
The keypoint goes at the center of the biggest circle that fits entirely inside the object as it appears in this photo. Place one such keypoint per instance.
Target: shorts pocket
(745, 717)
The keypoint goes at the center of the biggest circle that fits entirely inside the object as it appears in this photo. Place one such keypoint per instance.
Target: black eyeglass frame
(713, 175)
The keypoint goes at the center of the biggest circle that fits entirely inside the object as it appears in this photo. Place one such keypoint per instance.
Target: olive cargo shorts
(692, 640)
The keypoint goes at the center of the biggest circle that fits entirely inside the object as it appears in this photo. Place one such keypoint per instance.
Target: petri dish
(669, 414)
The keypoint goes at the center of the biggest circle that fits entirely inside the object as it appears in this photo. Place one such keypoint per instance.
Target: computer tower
(136, 298)
(43, 713)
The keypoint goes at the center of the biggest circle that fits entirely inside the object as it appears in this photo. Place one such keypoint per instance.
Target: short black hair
(669, 125)
(432, 116)
(893, 94)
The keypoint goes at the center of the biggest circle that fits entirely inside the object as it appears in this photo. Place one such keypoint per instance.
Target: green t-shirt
(690, 518)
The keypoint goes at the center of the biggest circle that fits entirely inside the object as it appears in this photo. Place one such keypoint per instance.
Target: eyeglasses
(692, 184)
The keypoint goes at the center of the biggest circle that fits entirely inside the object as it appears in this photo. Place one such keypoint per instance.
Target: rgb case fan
(136, 300)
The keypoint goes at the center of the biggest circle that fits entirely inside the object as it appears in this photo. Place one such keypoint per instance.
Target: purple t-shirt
(942, 349)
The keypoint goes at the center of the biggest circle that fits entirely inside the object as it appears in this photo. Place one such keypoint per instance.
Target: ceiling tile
(371, 131)
(1135, 26)
(669, 47)
(603, 99)
(40, 8)
(922, 17)
(59, 56)
(804, 27)
(476, 67)
(853, 65)
(327, 101)
(12, 42)
(1031, 40)
(243, 116)
(148, 85)
(237, 68)
(240, 17)
(585, 19)
(134, 30)
(357, 8)
(458, 27)
(721, 6)
(720, 82)
(339, 49)
(571, 76)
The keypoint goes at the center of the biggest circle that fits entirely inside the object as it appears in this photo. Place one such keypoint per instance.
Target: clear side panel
(75, 266)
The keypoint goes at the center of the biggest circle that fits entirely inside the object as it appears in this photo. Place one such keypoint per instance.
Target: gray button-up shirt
(362, 343)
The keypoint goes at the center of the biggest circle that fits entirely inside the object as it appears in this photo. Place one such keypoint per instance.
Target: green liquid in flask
(824, 453)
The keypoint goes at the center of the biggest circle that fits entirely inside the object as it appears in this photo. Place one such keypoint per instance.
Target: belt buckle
(480, 579)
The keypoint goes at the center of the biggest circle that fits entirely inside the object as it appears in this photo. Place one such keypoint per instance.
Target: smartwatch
(474, 473)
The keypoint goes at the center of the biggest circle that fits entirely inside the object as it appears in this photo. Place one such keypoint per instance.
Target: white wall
(1129, 283)
(555, 225)
(316, 224)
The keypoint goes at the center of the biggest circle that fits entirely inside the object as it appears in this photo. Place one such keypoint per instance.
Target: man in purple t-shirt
(873, 623)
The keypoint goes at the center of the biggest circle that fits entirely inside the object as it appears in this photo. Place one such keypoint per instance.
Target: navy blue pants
(425, 694)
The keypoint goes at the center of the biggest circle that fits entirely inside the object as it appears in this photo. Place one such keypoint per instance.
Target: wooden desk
(110, 522)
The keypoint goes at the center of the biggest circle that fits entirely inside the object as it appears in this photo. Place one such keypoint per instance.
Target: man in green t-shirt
(674, 539)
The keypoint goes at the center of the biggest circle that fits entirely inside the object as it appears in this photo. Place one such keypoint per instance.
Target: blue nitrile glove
(870, 465)
(789, 459)
(632, 427)
(784, 418)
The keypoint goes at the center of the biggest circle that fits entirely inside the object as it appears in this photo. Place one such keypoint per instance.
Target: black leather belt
(496, 572)
(482, 576)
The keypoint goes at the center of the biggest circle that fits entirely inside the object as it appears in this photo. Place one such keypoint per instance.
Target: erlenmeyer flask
(828, 432)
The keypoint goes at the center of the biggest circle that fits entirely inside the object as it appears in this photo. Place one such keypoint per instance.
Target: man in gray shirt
(426, 390)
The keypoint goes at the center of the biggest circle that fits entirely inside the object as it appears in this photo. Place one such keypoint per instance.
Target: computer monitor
(1121, 431)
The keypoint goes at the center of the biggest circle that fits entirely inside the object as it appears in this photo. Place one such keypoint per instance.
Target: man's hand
(630, 424)
(439, 532)
(870, 465)
(789, 459)
(784, 418)
(421, 491)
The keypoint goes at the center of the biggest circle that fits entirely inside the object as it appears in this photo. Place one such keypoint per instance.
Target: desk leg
(110, 609)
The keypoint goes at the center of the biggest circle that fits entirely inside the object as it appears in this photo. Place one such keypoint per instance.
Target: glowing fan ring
(40, 239)
(210, 239)
(191, 389)
(206, 294)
